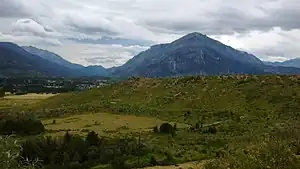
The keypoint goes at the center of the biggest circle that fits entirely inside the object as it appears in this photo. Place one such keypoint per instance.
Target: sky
(110, 32)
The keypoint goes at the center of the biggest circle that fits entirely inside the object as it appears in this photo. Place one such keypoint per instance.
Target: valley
(212, 122)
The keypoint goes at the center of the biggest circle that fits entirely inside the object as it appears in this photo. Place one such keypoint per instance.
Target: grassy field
(15, 101)
(103, 124)
(30, 96)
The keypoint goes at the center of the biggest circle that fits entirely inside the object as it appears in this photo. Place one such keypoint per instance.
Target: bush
(276, 151)
(72, 149)
(166, 128)
(20, 125)
(2, 93)
(9, 154)
(92, 138)
(211, 129)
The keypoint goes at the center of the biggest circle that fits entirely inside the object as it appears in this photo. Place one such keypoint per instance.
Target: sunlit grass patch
(103, 123)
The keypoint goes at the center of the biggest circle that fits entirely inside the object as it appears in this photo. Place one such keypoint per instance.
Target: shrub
(9, 154)
(2, 93)
(211, 129)
(277, 150)
(166, 128)
(92, 138)
(72, 149)
(20, 125)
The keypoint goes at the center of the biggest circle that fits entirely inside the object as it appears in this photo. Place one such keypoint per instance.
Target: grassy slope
(211, 98)
(247, 106)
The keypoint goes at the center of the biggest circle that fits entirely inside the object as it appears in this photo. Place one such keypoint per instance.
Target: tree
(166, 128)
(92, 138)
(2, 93)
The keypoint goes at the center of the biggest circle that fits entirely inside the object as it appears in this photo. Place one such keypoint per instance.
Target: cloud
(30, 26)
(233, 17)
(110, 32)
(273, 45)
(97, 54)
(13, 8)
(111, 40)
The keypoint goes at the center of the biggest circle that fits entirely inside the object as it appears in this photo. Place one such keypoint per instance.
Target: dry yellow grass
(11, 101)
(30, 96)
(191, 165)
(104, 123)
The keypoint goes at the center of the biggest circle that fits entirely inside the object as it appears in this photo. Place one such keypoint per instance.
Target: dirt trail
(191, 165)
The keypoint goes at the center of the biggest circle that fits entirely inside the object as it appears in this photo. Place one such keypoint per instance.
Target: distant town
(51, 85)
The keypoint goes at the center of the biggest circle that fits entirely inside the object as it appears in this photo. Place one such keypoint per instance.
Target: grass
(244, 110)
(197, 165)
(209, 99)
(103, 124)
(20, 101)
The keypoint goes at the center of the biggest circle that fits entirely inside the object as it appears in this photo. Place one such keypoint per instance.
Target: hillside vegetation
(236, 122)
(211, 98)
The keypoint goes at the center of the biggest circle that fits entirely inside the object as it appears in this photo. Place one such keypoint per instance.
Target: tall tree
(2, 92)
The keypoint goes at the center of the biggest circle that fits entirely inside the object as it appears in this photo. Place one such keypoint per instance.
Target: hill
(227, 120)
(52, 57)
(289, 63)
(171, 97)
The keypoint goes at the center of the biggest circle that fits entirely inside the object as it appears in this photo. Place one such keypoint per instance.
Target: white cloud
(97, 54)
(267, 28)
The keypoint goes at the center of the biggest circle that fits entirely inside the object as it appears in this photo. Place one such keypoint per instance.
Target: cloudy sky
(109, 32)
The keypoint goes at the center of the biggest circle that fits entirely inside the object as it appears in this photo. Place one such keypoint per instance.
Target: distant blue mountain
(94, 71)
(30, 61)
(77, 68)
(52, 57)
(289, 63)
(15, 61)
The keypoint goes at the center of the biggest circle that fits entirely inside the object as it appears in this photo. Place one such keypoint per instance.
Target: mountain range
(289, 63)
(193, 54)
(31, 61)
(196, 54)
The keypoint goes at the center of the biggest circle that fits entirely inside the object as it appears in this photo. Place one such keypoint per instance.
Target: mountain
(193, 54)
(15, 61)
(78, 69)
(94, 71)
(289, 63)
(52, 57)
(196, 54)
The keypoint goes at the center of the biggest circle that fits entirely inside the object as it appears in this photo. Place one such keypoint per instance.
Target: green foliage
(20, 125)
(230, 116)
(166, 128)
(93, 139)
(9, 155)
(73, 150)
(184, 99)
(2, 92)
(279, 150)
